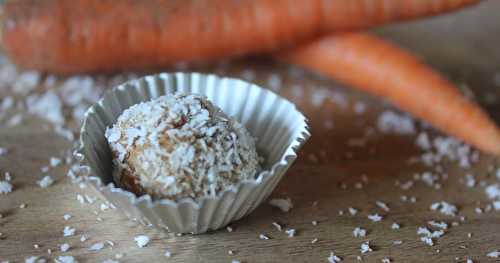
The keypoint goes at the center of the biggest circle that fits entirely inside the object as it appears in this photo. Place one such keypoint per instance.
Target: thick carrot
(70, 36)
(383, 69)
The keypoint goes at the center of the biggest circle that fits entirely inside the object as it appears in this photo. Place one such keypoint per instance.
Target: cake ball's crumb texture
(180, 146)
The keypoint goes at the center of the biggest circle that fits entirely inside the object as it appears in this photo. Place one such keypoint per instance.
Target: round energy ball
(180, 146)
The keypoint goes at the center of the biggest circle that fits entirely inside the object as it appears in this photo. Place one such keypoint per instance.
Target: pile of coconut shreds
(182, 146)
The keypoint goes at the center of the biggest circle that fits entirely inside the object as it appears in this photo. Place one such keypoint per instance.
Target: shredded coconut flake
(96, 246)
(141, 240)
(375, 217)
(493, 254)
(359, 232)
(65, 259)
(444, 208)
(68, 231)
(391, 122)
(35, 259)
(64, 247)
(5, 187)
(334, 258)
(46, 181)
(365, 247)
(283, 204)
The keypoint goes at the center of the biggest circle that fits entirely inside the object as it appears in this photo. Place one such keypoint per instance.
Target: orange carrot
(70, 36)
(382, 69)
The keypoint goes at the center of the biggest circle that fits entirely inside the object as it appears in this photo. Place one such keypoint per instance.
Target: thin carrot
(383, 69)
(70, 36)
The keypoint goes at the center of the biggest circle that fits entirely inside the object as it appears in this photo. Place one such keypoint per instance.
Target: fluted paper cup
(280, 130)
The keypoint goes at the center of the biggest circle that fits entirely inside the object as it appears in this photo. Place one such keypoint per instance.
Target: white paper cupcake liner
(279, 127)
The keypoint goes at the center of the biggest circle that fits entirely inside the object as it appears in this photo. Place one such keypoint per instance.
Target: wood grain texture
(463, 45)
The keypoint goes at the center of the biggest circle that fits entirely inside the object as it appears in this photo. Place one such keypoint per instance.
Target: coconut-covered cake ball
(179, 146)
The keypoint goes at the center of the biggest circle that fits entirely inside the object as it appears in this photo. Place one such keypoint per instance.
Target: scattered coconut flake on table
(352, 211)
(375, 217)
(96, 246)
(444, 208)
(395, 226)
(54, 161)
(141, 240)
(167, 253)
(386, 260)
(65, 259)
(5, 187)
(493, 191)
(382, 206)
(365, 247)
(291, 232)
(277, 226)
(3, 151)
(67, 217)
(493, 254)
(359, 232)
(35, 259)
(263, 237)
(441, 224)
(283, 204)
(47, 106)
(427, 240)
(46, 181)
(334, 258)
(64, 247)
(392, 122)
(68, 231)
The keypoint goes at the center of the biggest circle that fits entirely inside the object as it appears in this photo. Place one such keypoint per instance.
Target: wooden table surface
(464, 46)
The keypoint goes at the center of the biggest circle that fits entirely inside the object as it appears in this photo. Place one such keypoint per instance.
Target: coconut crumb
(359, 232)
(3, 151)
(283, 204)
(46, 181)
(65, 259)
(334, 258)
(365, 247)
(263, 237)
(96, 246)
(277, 226)
(391, 122)
(141, 240)
(54, 161)
(427, 240)
(83, 238)
(5, 187)
(395, 226)
(375, 217)
(493, 254)
(35, 259)
(382, 206)
(352, 211)
(67, 217)
(444, 208)
(397, 242)
(64, 247)
(290, 232)
(493, 191)
(314, 241)
(386, 260)
(440, 224)
(68, 231)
